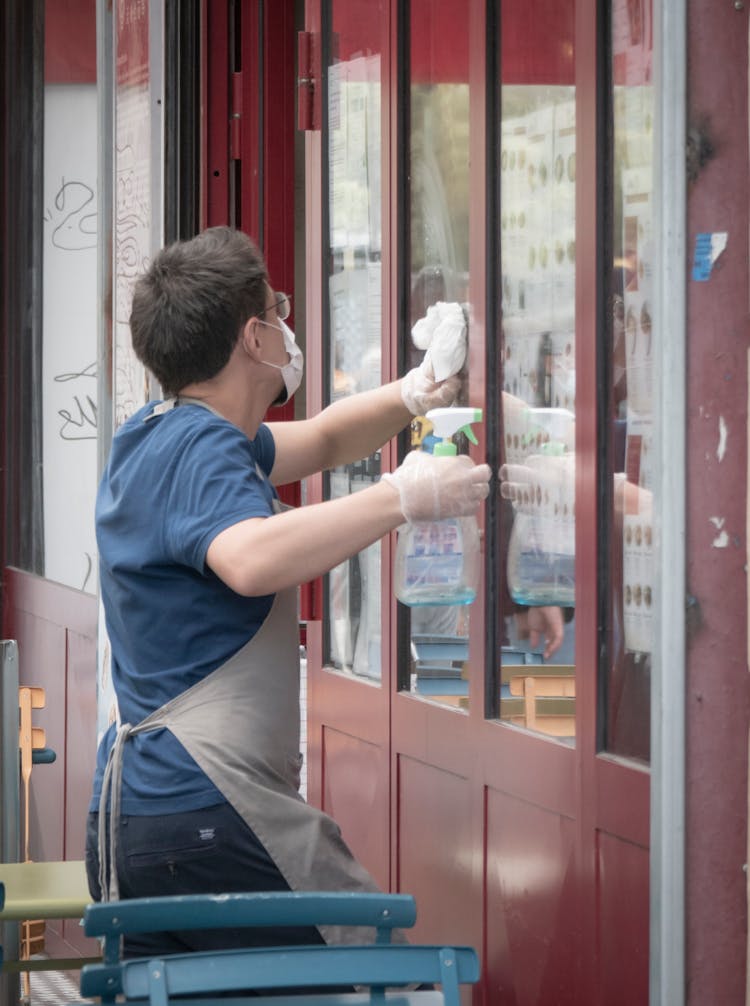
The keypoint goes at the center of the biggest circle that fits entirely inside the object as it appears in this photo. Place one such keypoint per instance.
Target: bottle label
(435, 557)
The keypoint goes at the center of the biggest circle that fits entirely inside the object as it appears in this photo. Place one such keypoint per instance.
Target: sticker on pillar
(708, 247)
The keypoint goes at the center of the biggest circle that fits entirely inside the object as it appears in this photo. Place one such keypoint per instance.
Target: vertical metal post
(105, 69)
(9, 802)
(667, 913)
(105, 228)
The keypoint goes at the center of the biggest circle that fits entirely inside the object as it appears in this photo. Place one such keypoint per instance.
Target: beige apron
(241, 725)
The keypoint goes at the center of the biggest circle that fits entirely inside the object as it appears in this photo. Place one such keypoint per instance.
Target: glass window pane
(630, 436)
(438, 262)
(538, 248)
(69, 281)
(354, 294)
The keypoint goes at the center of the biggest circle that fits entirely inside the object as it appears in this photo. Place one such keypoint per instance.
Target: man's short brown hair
(189, 307)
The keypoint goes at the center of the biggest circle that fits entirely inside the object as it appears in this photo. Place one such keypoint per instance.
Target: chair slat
(146, 915)
(300, 966)
(261, 968)
(390, 997)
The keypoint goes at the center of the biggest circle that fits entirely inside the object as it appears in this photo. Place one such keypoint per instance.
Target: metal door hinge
(235, 118)
(308, 80)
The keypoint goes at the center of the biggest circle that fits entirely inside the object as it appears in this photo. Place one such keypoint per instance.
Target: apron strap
(110, 888)
(171, 403)
(112, 793)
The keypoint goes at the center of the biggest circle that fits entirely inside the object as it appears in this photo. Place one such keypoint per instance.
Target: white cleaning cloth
(442, 333)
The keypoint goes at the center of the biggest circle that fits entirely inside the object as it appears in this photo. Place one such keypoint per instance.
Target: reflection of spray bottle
(437, 562)
(541, 549)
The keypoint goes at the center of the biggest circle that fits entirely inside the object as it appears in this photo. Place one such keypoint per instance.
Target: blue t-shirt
(171, 485)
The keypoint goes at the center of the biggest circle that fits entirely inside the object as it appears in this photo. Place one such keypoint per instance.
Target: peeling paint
(722, 539)
(722, 448)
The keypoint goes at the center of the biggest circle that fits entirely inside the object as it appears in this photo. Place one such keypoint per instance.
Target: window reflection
(537, 172)
(627, 726)
(354, 297)
(439, 274)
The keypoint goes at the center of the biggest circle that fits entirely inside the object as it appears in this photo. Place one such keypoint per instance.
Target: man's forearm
(356, 426)
(266, 554)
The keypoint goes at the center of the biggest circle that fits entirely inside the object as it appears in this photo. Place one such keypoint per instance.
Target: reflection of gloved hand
(544, 624)
(421, 392)
(544, 482)
(435, 487)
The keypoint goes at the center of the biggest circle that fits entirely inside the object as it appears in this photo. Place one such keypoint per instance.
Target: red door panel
(622, 921)
(435, 850)
(354, 793)
(347, 757)
(532, 920)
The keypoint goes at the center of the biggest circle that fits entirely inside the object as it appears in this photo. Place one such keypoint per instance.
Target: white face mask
(292, 371)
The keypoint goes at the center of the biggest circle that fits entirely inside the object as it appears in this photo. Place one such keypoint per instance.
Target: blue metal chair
(384, 969)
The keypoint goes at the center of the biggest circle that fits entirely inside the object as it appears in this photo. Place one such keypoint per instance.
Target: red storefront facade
(583, 824)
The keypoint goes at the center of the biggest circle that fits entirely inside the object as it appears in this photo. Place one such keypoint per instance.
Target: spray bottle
(437, 562)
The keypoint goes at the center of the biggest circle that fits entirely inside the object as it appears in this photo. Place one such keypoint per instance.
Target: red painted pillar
(718, 696)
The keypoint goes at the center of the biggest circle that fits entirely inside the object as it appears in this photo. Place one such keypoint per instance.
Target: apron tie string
(111, 781)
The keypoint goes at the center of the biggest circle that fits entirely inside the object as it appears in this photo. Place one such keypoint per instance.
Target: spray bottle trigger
(469, 433)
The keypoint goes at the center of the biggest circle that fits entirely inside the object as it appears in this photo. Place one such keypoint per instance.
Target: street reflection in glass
(353, 617)
(627, 685)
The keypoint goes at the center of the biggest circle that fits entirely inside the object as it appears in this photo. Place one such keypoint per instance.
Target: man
(196, 791)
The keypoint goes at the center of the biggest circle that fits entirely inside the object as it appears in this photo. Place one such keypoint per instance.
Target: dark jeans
(208, 851)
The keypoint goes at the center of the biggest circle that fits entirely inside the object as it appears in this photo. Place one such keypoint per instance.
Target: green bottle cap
(444, 448)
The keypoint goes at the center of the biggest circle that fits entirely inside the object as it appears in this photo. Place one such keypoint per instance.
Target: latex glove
(421, 392)
(435, 487)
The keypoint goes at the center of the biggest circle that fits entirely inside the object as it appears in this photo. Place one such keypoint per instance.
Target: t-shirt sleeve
(216, 484)
(265, 449)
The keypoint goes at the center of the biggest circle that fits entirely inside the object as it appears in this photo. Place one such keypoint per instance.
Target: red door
(459, 157)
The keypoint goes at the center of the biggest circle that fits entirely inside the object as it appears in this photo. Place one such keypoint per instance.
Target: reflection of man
(197, 791)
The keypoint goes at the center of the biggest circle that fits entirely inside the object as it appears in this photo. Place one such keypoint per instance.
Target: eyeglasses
(283, 305)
